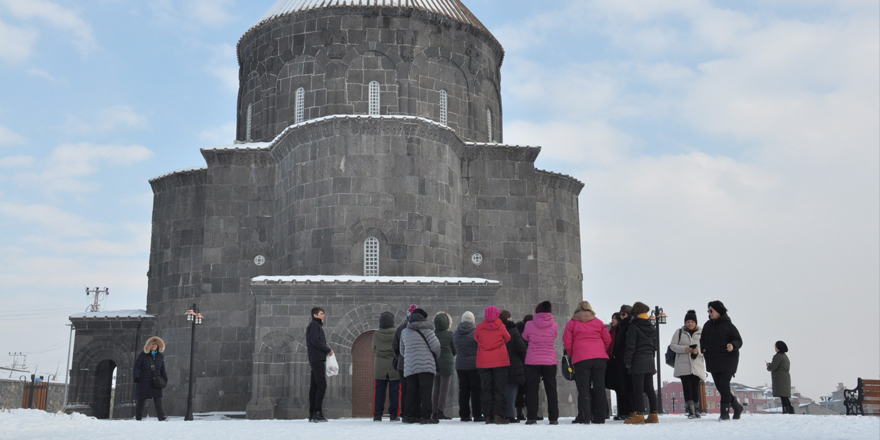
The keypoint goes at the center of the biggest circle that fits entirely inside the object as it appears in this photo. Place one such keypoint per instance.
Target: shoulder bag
(159, 382)
(670, 355)
(567, 367)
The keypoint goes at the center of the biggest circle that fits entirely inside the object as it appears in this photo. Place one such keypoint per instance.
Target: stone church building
(369, 172)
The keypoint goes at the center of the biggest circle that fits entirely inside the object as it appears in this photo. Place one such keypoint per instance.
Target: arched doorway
(104, 374)
(362, 382)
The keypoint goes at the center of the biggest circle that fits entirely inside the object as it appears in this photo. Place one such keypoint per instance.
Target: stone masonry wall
(333, 54)
(342, 180)
(281, 370)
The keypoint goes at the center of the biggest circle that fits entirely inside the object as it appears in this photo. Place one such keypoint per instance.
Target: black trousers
(157, 403)
(317, 386)
(402, 393)
(722, 384)
(469, 389)
(690, 385)
(786, 405)
(535, 374)
(494, 384)
(624, 395)
(520, 399)
(590, 381)
(418, 395)
(641, 385)
(393, 390)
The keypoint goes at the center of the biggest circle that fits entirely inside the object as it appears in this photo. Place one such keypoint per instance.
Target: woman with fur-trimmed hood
(149, 363)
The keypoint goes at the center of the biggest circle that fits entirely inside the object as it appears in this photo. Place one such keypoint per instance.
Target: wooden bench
(864, 399)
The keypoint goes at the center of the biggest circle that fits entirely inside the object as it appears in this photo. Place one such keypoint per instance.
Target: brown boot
(652, 418)
(637, 419)
(499, 420)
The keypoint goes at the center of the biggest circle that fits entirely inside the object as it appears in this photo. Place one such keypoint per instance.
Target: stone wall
(281, 370)
(334, 53)
(11, 394)
(341, 180)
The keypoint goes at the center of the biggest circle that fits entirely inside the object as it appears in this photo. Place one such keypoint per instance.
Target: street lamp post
(193, 316)
(658, 318)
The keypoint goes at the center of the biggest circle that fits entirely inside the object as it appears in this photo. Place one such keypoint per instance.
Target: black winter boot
(725, 412)
(737, 409)
(441, 416)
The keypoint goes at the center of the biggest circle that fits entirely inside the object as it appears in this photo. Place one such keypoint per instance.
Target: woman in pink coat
(541, 362)
(586, 339)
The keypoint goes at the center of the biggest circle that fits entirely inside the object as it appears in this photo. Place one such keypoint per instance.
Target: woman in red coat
(492, 361)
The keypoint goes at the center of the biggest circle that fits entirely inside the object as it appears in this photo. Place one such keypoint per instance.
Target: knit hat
(411, 309)
(467, 317)
(492, 313)
(505, 315)
(386, 320)
(420, 312)
(718, 306)
(626, 308)
(690, 316)
(781, 347)
(544, 307)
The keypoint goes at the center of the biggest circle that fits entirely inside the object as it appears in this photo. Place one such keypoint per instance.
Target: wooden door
(362, 382)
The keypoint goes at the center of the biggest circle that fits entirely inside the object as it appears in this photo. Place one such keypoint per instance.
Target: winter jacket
(421, 357)
(395, 346)
(516, 352)
(446, 362)
(491, 340)
(640, 347)
(586, 337)
(384, 355)
(613, 332)
(780, 367)
(685, 364)
(713, 344)
(465, 346)
(615, 372)
(143, 370)
(541, 333)
(316, 343)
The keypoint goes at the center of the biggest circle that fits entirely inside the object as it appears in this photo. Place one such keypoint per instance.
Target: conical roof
(453, 9)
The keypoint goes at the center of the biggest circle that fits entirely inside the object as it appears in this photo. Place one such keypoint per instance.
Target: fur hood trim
(149, 345)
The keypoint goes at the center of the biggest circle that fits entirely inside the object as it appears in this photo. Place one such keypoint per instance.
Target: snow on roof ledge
(113, 314)
(322, 279)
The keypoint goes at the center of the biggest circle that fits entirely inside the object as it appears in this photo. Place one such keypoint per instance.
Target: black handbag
(567, 367)
(159, 382)
(670, 355)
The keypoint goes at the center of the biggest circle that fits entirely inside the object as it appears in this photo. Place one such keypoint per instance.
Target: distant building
(755, 400)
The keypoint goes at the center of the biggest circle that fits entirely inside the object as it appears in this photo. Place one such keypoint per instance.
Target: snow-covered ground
(33, 424)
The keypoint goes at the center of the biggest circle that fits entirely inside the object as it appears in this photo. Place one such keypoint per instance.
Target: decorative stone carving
(334, 40)
(407, 40)
(476, 59)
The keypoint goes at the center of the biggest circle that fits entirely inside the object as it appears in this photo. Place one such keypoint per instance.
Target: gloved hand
(628, 366)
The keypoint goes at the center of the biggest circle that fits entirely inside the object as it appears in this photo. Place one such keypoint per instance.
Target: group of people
(500, 365)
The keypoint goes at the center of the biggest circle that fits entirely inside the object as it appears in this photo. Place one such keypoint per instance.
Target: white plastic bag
(332, 365)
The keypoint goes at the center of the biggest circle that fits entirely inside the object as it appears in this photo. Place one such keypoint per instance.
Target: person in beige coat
(690, 366)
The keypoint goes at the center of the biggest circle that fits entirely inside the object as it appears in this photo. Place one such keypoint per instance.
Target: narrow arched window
(371, 257)
(250, 117)
(444, 108)
(374, 98)
(489, 124)
(300, 104)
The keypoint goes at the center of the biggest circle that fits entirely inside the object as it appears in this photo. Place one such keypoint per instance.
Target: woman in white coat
(690, 366)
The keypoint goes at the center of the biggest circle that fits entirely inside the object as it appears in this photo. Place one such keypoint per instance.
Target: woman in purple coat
(541, 361)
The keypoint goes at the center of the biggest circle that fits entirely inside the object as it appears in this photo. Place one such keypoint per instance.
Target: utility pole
(15, 361)
(100, 294)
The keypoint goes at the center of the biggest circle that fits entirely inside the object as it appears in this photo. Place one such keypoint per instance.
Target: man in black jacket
(316, 344)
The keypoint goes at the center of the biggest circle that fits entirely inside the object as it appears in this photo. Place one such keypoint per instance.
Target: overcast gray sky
(730, 150)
